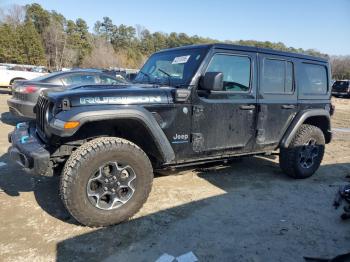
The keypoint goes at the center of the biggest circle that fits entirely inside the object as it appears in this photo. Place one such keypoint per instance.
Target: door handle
(247, 107)
(288, 106)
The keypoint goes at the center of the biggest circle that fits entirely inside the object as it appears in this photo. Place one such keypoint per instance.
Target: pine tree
(5, 47)
(10, 45)
(31, 45)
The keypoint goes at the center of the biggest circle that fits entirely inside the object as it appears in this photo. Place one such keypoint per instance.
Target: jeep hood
(132, 94)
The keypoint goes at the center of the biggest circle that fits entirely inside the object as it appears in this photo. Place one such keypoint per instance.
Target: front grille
(41, 109)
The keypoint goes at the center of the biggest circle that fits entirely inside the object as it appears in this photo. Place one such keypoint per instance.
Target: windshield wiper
(145, 74)
(166, 73)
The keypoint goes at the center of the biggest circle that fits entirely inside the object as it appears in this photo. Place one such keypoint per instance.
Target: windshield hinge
(182, 95)
(65, 104)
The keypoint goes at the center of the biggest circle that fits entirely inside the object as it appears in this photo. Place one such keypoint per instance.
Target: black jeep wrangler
(187, 106)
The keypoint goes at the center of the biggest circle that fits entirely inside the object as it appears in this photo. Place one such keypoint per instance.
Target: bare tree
(14, 15)
(2, 15)
(139, 29)
(340, 67)
(70, 57)
(102, 55)
(55, 41)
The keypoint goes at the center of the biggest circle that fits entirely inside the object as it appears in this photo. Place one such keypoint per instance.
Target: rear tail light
(29, 89)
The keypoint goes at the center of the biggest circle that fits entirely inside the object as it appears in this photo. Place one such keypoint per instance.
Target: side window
(55, 81)
(236, 70)
(79, 79)
(88, 79)
(277, 76)
(108, 80)
(313, 79)
(65, 80)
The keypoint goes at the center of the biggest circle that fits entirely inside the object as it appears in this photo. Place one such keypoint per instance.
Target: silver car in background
(25, 93)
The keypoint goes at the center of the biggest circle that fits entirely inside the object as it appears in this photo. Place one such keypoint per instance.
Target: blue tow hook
(24, 139)
(19, 125)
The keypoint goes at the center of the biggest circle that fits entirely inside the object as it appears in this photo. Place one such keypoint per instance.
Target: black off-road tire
(290, 157)
(79, 168)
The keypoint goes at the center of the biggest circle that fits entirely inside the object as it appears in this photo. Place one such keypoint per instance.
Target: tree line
(32, 35)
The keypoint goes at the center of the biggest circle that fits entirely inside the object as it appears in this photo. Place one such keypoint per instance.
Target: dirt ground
(247, 211)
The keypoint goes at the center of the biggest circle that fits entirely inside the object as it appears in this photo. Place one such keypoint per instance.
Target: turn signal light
(71, 124)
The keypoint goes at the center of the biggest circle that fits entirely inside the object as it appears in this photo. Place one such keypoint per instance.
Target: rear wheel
(106, 181)
(304, 154)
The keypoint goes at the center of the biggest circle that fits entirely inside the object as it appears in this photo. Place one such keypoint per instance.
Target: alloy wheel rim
(308, 153)
(111, 186)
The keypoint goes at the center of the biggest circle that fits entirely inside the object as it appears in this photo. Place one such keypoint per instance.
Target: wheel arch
(316, 117)
(134, 124)
(15, 79)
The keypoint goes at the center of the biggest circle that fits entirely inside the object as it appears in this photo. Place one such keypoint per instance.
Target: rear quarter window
(313, 79)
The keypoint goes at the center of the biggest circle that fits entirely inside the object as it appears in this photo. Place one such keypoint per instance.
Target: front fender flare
(97, 113)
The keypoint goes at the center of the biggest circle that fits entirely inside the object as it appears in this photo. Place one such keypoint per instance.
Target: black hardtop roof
(250, 49)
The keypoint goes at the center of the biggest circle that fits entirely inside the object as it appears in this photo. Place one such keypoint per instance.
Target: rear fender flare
(300, 119)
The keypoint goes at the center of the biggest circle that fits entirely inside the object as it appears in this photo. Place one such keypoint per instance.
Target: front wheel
(106, 181)
(304, 154)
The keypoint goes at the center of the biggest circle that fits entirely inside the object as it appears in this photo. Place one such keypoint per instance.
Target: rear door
(277, 99)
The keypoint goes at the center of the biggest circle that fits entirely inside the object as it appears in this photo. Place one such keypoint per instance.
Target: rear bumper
(21, 108)
(27, 150)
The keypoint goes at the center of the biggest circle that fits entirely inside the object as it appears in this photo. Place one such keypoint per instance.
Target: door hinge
(197, 142)
(198, 110)
(260, 136)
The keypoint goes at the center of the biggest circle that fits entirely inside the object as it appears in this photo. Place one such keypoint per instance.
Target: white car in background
(9, 73)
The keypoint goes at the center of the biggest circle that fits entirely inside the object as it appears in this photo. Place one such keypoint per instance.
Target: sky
(323, 25)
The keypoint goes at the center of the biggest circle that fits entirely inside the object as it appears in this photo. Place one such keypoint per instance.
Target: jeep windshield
(174, 67)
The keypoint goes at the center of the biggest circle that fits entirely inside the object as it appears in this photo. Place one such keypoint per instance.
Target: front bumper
(21, 108)
(27, 150)
(340, 93)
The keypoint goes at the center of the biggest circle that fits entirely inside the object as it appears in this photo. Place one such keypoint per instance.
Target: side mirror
(213, 81)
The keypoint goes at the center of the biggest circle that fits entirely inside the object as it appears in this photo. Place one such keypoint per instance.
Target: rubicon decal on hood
(123, 100)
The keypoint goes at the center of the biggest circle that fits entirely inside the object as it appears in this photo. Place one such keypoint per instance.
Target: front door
(224, 121)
